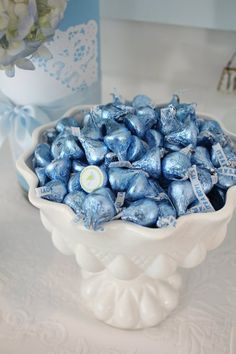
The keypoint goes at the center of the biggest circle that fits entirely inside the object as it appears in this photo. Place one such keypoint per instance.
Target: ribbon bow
(19, 121)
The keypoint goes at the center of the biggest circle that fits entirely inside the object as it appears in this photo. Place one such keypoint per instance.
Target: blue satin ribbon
(19, 121)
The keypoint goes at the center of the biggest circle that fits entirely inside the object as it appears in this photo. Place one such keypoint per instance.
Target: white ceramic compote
(129, 273)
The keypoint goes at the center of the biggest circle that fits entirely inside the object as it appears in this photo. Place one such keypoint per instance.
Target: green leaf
(44, 52)
(25, 64)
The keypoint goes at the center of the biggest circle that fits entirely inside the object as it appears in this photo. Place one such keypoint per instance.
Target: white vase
(69, 78)
(74, 67)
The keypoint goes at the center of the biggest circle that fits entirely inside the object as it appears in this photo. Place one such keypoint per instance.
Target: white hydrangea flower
(4, 20)
(8, 54)
(24, 26)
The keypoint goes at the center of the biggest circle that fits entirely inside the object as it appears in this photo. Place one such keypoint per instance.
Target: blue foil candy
(206, 138)
(139, 188)
(65, 123)
(200, 122)
(150, 163)
(49, 135)
(211, 126)
(58, 144)
(182, 195)
(166, 214)
(78, 166)
(168, 121)
(137, 149)
(201, 158)
(195, 207)
(97, 210)
(211, 133)
(148, 115)
(134, 124)
(118, 142)
(71, 149)
(175, 166)
(42, 155)
(117, 112)
(226, 177)
(188, 135)
(106, 192)
(154, 138)
(54, 191)
(141, 101)
(74, 182)
(185, 111)
(111, 126)
(75, 201)
(91, 129)
(175, 101)
(59, 170)
(95, 150)
(120, 178)
(142, 212)
(110, 157)
(206, 179)
(40, 172)
(229, 156)
(172, 147)
(140, 122)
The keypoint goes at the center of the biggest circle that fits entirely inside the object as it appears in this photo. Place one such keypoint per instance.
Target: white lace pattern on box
(75, 56)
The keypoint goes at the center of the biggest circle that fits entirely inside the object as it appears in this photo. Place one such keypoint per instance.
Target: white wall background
(219, 14)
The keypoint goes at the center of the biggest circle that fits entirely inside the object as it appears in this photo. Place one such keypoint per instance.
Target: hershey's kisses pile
(137, 162)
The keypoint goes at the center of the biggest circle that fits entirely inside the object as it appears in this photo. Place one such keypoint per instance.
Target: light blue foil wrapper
(120, 178)
(226, 177)
(154, 138)
(42, 155)
(141, 101)
(57, 191)
(175, 166)
(75, 201)
(142, 212)
(118, 142)
(150, 163)
(40, 172)
(184, 137)
(74, 183)
(137, 148)
(90, 128)
(182, 195)
(97, 210)
(140, 122)
(95, 150)
(168, 121)
(59, 170)
(67, 122)
(201, 158)
(140, 187)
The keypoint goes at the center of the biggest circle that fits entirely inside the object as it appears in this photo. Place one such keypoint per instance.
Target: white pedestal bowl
(130, 276)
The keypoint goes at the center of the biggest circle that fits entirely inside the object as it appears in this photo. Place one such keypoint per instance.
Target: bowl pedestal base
(129, 304)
